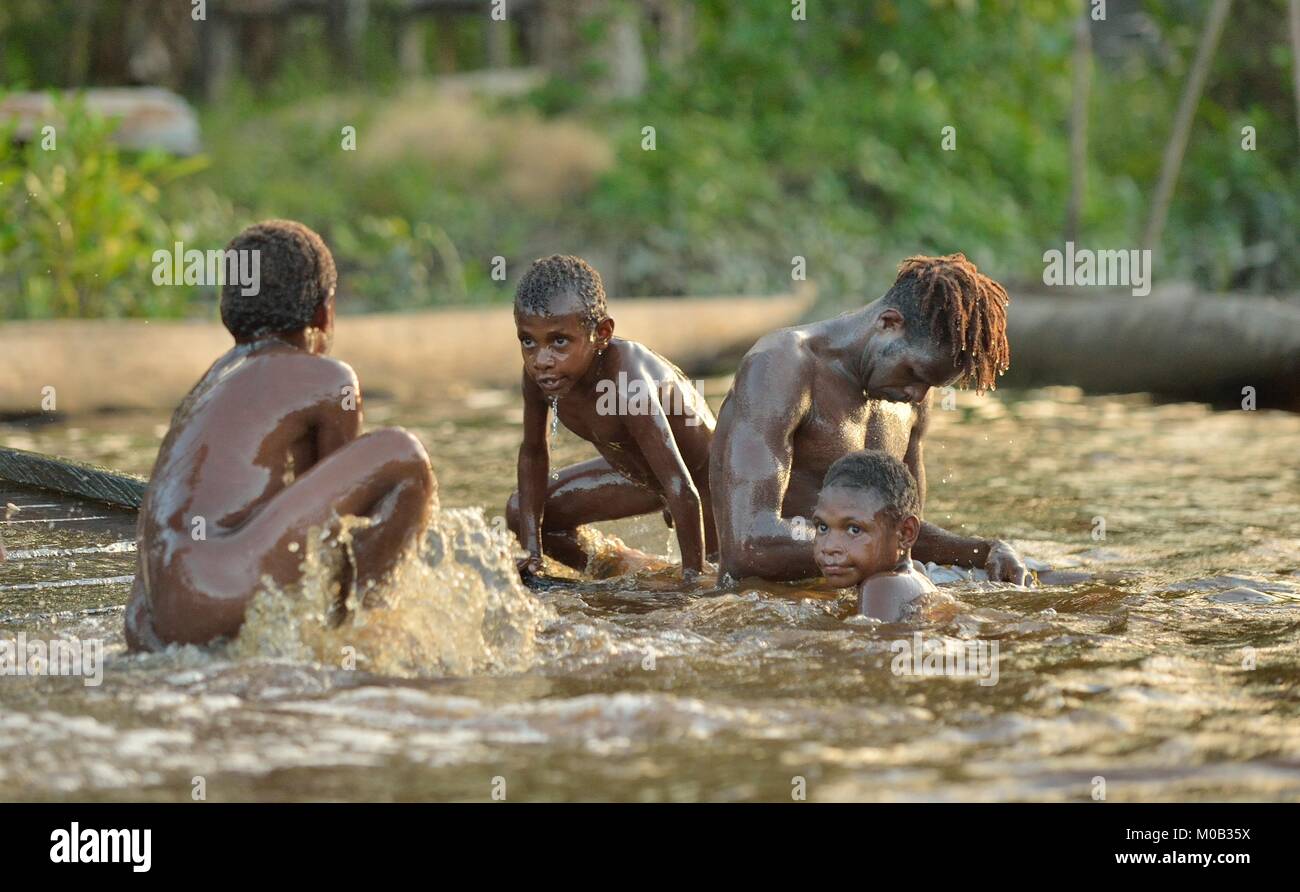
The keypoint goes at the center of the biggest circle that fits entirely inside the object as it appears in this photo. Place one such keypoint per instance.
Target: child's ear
(908, 531)
(604, 332)
(324, 315)
(890, 319)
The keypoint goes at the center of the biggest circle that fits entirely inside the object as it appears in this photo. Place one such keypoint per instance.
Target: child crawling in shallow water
(645, 418)
(266, 448)
(867, 519)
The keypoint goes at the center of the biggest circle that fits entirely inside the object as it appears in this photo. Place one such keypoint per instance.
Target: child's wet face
(558, 349)
(855, 538)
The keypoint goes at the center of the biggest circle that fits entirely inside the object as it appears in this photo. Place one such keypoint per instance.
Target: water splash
(454, 606)
(555, 428)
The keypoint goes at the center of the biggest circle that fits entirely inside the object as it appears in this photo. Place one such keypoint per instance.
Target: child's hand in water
(1004, 564)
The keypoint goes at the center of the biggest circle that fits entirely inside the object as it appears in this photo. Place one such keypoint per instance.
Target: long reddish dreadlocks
(964, 308)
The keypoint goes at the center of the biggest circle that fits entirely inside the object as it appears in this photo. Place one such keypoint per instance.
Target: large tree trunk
(565, 50)
(1206, 348)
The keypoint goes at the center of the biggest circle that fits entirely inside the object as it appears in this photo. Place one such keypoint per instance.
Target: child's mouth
(836, 571)
(550, 383)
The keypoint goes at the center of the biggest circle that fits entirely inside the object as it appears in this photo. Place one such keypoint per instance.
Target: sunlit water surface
(1169, 666)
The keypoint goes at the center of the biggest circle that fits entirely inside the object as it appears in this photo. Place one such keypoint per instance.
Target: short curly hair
(296, 273)
(874, 471)
(560, 274)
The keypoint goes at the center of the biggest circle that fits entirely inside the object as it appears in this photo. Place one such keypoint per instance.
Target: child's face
(855, 538)
(559, 349)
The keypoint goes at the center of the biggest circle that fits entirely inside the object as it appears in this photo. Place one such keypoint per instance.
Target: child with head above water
(266, 449)
(867, 519)
(645, 418)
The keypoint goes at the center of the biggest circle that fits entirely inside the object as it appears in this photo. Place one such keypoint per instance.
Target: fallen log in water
(1203, 348)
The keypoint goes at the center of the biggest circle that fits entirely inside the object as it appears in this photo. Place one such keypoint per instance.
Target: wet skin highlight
(802, 398)
(649, 460)
(265, 448)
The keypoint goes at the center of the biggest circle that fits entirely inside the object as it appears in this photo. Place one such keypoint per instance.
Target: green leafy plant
(80, 222)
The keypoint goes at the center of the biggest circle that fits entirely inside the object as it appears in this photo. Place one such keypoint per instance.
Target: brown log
(1202, 348)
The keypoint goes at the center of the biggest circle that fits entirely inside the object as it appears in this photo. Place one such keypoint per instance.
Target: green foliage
(823, 138)
(404, 234)
(777, 138)
(79, 224)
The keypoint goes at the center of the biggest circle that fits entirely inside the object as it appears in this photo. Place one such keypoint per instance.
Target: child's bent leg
(584, 493)
(376, 548)
(384, 475)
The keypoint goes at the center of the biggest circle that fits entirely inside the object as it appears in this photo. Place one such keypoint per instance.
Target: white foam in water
(455, 606)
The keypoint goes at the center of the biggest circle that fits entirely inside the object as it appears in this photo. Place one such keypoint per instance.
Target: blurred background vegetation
(773, 138)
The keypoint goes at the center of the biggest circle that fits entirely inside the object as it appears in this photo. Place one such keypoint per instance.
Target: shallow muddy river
(1165, 663)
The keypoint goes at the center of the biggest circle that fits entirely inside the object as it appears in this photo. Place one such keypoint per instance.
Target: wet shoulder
(778, 363)
(308, 371)
(633, 357)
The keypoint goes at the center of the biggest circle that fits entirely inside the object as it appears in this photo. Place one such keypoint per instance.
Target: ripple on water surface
(1164, 655)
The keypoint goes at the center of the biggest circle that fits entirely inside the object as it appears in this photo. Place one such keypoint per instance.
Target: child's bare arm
(534, 465)
(654, 437)
(339, 416)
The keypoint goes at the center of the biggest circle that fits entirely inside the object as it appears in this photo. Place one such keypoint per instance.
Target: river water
(1162, 662)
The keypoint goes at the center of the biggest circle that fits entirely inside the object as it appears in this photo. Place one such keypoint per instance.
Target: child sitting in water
(264, 449)
(867, 519)
(649, 424)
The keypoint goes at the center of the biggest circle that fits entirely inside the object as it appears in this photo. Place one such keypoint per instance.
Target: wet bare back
(262, 450)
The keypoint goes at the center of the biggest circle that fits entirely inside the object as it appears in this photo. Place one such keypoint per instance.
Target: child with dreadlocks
(649, 424)
(805, 396)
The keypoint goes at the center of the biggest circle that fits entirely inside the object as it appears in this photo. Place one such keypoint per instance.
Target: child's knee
(401, 443)
(406, 448)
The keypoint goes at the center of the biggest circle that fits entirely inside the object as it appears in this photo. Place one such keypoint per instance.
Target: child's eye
(821, 527)
(854, 529)
(561, 342)
(527, 342)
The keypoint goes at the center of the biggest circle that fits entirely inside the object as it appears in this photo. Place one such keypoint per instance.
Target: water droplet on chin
(555, 427)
